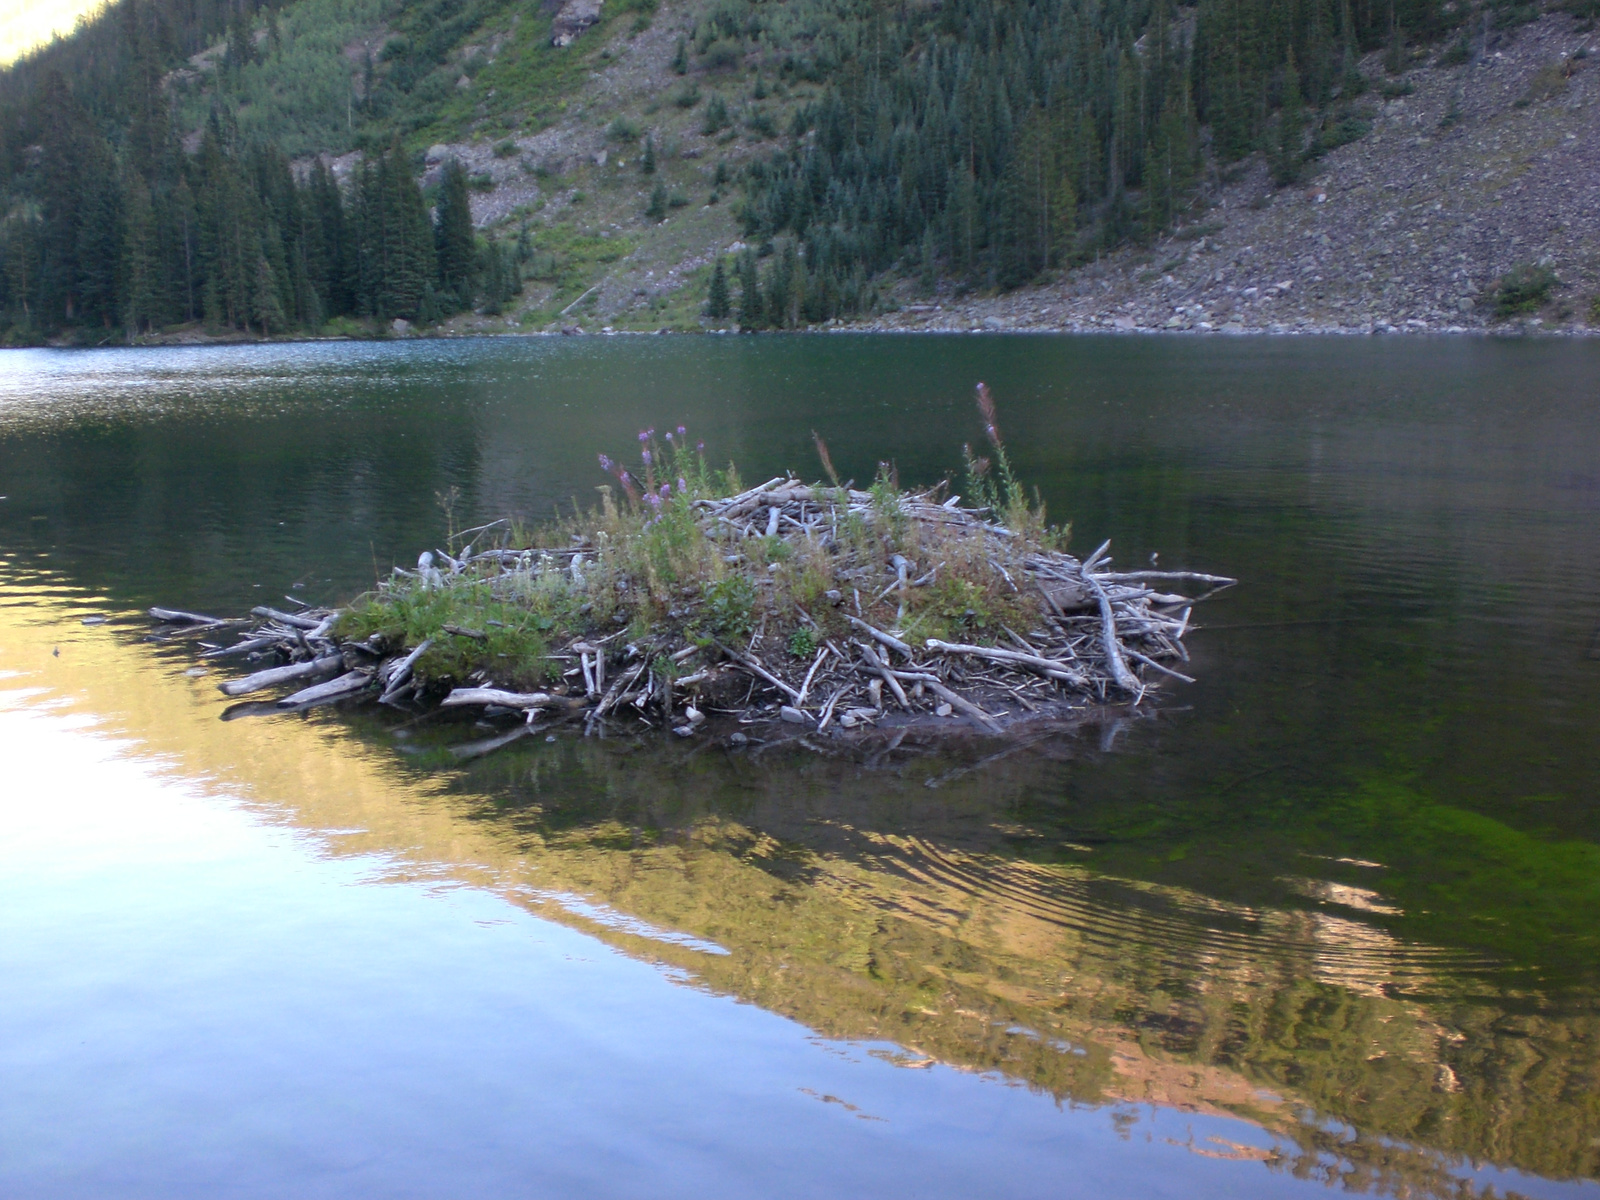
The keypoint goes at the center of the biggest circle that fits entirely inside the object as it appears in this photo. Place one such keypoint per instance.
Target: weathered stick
(248, 646)
(755, 668)
(177, 616)
(932, 683)
(483, 696)
(1220, 581)
(283, 618)
(800, 700)
(400, 675)
(323, 628)
(878, 665)
(879, 635)
(1034, 662)
(335, 689)
(1120, 674)
(827, 709)
(1150, 662)
(621, 685)
(278, 675)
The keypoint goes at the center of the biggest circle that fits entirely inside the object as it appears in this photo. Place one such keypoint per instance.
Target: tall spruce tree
(718, 304)
(453, 238)
(752, 311)
(1291, 128)
(140, 259)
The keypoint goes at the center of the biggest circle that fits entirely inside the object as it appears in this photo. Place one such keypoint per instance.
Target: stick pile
(1097, 635)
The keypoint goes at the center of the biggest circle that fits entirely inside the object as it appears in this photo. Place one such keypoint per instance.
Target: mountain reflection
(932, 921)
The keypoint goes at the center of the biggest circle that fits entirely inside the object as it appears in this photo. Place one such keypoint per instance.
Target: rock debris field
(1483, 167)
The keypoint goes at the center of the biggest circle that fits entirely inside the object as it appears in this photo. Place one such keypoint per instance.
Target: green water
(1344, 891)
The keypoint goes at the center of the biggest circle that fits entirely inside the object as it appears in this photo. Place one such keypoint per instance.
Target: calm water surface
(1330, 916)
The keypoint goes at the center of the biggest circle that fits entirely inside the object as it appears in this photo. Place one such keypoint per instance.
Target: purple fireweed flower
(645, 454)
(669, 435)
(700, 446)
(682, 432)
(655, 500)
(625, 477)
(644, 435)
(605, 463)
(683, 486)
(666, 490)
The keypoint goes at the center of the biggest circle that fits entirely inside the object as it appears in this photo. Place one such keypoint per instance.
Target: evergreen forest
(972, 144)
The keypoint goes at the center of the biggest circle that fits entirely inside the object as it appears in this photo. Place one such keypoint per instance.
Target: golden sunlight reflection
(1095, 990)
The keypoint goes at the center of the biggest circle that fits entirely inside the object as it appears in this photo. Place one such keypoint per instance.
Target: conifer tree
(1291, 127)
(656, 210)
(752, 312)
(453, 239)
(99, 244)
(329, 266)
(266, 305)
(717, 300)
(241, 44)
(139, 260)
(180, 249)
(19, 248)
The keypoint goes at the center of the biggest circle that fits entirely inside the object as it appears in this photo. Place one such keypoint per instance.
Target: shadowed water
(1337, 902)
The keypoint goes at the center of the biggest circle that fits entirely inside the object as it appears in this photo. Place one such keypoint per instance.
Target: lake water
(1330, 916)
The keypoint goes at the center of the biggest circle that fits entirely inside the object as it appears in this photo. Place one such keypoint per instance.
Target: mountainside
(1473, 203)
(204, 168)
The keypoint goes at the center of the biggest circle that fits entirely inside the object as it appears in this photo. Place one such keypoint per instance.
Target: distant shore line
(1520, 331)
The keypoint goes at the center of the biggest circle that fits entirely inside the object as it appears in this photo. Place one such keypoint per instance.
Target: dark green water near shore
(1345, 890)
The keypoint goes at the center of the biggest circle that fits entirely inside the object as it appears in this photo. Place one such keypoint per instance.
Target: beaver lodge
(689, 602)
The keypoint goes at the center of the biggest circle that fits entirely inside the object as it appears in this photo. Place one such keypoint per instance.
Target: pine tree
(656, 210)
(752, 311)
(266, 305)
(780, 289)
(453, 239)
(182, 272)
(648, 163)
(331, 266)
(19, 246)
(241, 47)
(718, 304)
(1172, 160)
(1291, 128)
(139, 259)
(501, 279)
(99, 243)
